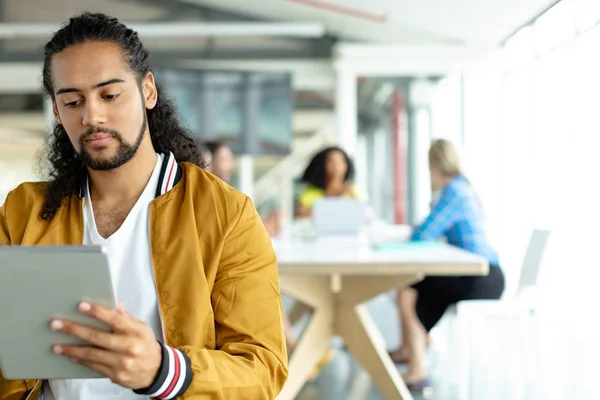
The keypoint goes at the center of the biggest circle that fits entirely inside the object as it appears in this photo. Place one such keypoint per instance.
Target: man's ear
(55, 112)
(149, 91)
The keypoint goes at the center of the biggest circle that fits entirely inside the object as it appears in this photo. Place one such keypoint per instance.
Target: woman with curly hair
(329, 174)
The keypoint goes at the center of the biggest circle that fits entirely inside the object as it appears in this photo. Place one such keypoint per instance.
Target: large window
(587, 14)
(530, 131)
(531, 140)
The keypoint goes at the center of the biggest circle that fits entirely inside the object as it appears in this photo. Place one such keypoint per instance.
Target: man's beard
(125, 151)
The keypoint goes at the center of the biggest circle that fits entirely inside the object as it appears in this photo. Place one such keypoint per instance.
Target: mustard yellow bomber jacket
(216, 278)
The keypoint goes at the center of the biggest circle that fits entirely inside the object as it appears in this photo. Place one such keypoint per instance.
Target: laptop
(338, 216)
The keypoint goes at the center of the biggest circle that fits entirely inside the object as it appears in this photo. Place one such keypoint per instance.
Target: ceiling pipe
(339, 9)
(182, 29)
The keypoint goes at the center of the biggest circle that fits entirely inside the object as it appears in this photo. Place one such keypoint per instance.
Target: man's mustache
(94, 129)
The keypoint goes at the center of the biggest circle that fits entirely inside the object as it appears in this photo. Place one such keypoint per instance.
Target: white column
(246, 174)
(360, 161)
(420, 195)
(346, 110)
(421, 95)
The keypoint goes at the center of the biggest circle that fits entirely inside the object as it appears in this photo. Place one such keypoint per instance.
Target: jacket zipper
(160, 312)
(33, 390)
(160, 316)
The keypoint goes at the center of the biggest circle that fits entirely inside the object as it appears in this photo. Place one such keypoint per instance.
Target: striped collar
(170, 174)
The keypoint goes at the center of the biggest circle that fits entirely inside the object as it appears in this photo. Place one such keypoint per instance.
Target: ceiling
(469, 22)
(58, 11)
(459, 22)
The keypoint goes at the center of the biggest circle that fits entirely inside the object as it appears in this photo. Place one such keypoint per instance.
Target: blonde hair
(443, 158)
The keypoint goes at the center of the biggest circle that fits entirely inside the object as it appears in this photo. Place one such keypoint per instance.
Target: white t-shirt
(133, 282)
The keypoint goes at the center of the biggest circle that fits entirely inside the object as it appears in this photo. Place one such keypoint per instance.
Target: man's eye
(72, 104)
(111, 96)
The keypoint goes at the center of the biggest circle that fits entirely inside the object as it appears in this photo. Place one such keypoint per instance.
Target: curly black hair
(65, 168)
(314, 174)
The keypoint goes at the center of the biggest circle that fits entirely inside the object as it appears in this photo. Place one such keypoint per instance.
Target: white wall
(20, 78)
(21, 137)
(14, 172)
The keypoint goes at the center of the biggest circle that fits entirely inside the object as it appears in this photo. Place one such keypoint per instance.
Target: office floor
(344, 379)
(556, 365)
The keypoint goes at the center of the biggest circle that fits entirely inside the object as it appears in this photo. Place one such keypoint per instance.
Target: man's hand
(130, 356)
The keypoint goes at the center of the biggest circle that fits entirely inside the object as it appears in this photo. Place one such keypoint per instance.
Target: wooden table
(335, 277)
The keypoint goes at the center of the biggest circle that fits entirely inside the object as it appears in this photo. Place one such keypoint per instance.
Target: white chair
(491, 342)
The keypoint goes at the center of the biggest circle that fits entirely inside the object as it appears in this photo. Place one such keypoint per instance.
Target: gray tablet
(38, 284)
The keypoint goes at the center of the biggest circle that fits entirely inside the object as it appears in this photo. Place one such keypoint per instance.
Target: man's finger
(85, 354)
(118, 321)
(119, 377)
(94, 336)
(99, 368)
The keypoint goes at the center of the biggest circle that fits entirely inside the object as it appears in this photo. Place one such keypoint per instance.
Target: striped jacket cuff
(174, 375)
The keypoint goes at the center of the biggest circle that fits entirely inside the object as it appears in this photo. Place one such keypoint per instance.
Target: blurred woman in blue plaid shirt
(457, 217)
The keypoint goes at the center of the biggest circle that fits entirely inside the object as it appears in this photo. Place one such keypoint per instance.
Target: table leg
(315, 291)
(359, 332)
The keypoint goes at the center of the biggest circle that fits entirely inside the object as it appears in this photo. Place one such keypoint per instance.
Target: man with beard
(191, 263)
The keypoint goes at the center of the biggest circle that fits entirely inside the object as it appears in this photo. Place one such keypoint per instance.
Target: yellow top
(216, 280)
(311, 194)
